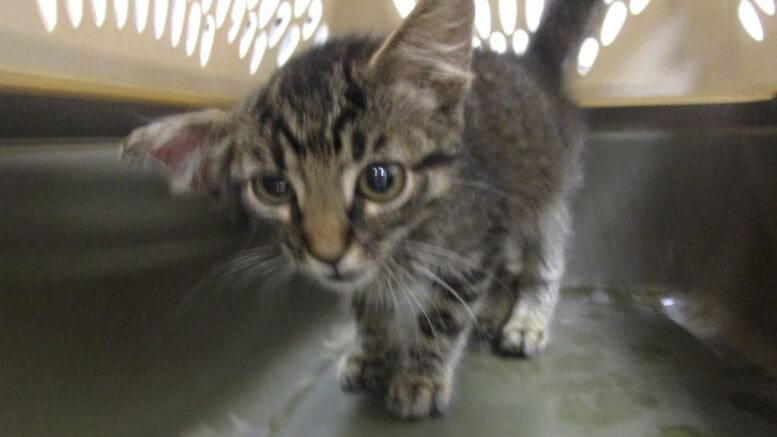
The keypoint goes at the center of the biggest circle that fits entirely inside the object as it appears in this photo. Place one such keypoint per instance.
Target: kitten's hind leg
(527, 331)
(372, 364)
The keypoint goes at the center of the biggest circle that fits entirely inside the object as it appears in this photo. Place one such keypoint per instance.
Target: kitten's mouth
(344, 276)
(349, 274)
(346, 280)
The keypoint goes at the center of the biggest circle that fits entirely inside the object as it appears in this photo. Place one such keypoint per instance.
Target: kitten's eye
(273, 187)
(382, 182)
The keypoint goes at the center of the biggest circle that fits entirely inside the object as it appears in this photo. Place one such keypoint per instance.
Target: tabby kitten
(410, 168)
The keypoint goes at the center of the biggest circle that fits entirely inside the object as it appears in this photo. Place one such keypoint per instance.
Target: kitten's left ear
(432, 50)
(193, 147)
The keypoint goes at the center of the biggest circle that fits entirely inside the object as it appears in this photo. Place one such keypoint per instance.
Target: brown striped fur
(475, 240)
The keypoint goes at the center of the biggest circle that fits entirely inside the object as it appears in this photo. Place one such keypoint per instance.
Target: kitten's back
(521, 128)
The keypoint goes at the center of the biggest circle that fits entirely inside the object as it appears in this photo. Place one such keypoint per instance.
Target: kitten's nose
(326, 252)
(325, 238)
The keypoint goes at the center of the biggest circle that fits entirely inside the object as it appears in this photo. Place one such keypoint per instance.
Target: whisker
(278, 277)
(385, 278)
(404, 293)
(412, 295)
(443, 252)
(432, 250)
(430, 260)
(433, 277)
(234, 272)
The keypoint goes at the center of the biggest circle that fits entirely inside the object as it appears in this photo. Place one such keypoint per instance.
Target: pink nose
(325, 237)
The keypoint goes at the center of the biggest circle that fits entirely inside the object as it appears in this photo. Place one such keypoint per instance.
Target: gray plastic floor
(95, 261)
(615, 368)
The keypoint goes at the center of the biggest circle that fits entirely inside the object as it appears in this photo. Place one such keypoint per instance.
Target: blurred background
(671, 325)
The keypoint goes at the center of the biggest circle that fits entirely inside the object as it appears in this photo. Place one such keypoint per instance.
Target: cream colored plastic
(668, 52)
(117, 48)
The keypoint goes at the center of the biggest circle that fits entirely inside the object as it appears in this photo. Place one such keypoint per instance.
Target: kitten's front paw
(358, 372)
(413, 396)
(522, 339)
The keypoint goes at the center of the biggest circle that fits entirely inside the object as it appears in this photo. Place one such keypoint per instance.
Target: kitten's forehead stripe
(380, 144)
(357, 145)
(282, 127)
(354, 92)
(342, 120)
(277, 151)
(356, 103)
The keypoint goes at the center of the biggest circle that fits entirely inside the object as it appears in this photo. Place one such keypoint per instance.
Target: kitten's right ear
(431, 51)
(193, 147)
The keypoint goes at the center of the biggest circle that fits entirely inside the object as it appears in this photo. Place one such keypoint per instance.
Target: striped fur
(474, 242)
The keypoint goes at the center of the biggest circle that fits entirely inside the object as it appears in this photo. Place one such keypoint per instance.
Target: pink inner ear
(180, 149)
(189, 149)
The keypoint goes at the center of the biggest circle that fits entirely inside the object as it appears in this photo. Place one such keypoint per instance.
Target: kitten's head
(346, 149)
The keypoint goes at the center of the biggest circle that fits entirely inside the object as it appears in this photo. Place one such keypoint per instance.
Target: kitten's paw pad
(418, 396)
(521, 341)
(357, 372)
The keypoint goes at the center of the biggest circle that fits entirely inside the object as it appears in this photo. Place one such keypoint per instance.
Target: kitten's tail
(560, 34)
